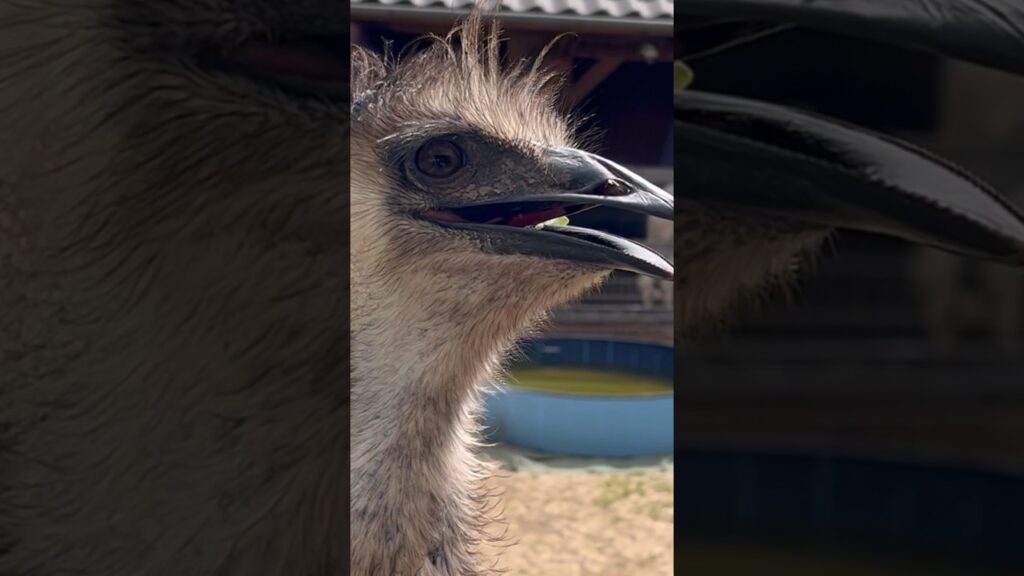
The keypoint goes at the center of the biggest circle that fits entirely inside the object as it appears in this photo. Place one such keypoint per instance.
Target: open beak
(756, 156)
(986, 32)
(751, 155)
(522, 223)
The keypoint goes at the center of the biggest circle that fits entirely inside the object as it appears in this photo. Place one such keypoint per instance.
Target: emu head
(761, 186)
(457, 162)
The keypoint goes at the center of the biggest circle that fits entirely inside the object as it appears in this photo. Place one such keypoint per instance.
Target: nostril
(613, 187)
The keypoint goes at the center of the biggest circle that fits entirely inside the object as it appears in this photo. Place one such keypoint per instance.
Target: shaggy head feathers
(461, 79)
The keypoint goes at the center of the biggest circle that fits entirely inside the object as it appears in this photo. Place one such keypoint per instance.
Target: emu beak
(755, 156)
(574, 181)
(986, 32)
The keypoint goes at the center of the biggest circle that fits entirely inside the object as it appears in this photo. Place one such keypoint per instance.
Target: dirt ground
(586, 523)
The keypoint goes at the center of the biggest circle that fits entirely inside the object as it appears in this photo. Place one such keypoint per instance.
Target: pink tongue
(443, 216)
(519, 220)
(534, 218)
(295, 61)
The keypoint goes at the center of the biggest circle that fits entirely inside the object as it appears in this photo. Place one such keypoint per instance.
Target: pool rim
(520, 361)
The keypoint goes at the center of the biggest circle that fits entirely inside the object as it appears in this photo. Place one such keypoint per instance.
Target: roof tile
(649, 9)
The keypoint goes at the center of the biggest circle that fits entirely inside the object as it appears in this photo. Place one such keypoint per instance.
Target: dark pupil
(443, 160)
(439, 159)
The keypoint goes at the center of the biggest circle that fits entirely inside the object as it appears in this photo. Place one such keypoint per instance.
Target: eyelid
(401, 146)
(423, 130)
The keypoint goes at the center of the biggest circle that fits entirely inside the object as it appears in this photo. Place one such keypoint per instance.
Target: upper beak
(757, 156)
(575, 181)
(986, 32)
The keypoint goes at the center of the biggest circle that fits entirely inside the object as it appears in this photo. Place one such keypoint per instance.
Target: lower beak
(986, 32)
(751, 155)
(580, 181)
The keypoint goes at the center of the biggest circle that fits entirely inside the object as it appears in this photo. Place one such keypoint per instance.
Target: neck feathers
(416, 388)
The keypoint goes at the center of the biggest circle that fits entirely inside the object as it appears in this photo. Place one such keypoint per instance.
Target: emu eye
(440, 158)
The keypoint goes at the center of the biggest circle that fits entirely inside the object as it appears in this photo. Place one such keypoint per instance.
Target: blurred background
(874, 422)
(583, 429)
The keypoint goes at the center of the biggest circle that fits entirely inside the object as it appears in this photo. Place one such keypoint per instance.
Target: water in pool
(587, 381)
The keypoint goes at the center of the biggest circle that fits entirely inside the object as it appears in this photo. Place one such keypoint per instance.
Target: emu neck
(424, 343)
(418, 365)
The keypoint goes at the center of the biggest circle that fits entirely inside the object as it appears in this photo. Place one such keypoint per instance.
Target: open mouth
(537, 224)
(802, 166)
(514, 214)
(541, 229)
(302, 65)
(771, 160)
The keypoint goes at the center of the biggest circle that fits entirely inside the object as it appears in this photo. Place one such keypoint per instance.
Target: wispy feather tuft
(461, 77)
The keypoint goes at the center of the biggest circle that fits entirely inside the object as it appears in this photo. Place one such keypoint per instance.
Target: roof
(647, 9)
(613, 16)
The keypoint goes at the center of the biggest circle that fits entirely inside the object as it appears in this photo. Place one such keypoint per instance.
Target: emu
(457, 164)
(762, 186)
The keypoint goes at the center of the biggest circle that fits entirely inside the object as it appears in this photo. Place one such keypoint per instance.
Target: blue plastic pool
(592, 424)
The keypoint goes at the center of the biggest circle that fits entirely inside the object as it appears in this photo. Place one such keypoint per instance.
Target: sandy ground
(583, 517)
(582, 522)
